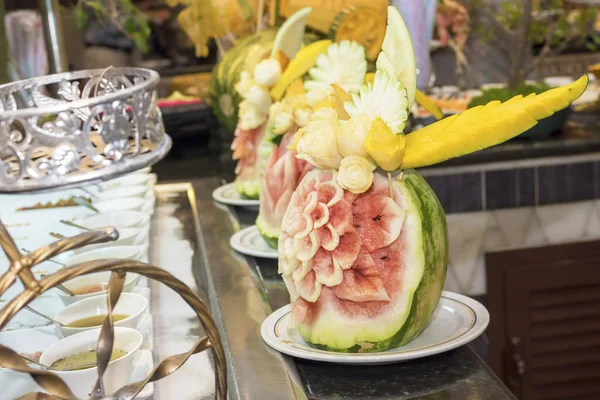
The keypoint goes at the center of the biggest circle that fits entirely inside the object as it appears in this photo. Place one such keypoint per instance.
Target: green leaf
(141, 42)
(79, 17)
(130, 26)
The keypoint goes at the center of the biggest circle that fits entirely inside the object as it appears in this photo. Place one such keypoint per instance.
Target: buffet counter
(243, 291)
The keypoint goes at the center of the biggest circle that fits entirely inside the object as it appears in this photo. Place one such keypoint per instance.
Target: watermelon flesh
(251, 155)
(283, 173)
(365, 272)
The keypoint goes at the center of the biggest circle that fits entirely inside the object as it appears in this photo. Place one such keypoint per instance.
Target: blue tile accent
(459, 192)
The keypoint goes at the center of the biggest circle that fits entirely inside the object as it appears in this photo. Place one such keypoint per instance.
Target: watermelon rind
(269, 233)
(249, 190)
(426, 254)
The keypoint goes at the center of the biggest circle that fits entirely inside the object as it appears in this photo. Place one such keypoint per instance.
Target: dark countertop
(456, 375)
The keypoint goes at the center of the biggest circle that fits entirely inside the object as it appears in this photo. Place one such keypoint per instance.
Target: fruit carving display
(342, 64)
(363, 248)
(262, 73)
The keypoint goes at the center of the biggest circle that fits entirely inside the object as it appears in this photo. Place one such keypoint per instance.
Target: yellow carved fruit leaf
(485, 126)
(341, 96)
(385, 147)
(295, 89)
(303, 61)
(428, 104)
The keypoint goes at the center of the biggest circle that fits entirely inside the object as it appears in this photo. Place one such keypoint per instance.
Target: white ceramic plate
(457, 321)
(248, 241)
(227, 194)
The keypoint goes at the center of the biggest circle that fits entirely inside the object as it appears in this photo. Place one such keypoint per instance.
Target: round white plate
(227, 194)
(248, 241)
(457, 321)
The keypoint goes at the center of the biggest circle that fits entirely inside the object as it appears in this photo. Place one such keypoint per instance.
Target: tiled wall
(525, 206)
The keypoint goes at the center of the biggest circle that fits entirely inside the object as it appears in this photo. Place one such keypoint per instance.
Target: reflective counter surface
(243, 291)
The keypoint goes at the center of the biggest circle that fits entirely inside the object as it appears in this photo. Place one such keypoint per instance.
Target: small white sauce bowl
(118, 219)
(92, 279)
(127, 237)
(127, 204)
(127, 180)
(122, 192)
(82, 382)
(131, 304)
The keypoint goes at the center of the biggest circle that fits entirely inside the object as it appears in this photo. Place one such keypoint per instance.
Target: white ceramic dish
(127, 204)
(248, 241)
(92, 279)
(127, 180)
(145, 170)
(122, 192)
(127, 237)
(457, 321)
(130, 304)
(81, 382)
(227, 194)
(124, 252)
(15, 384)
(118, 219)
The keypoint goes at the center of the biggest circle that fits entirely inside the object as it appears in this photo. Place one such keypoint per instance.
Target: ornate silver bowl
(87, 126)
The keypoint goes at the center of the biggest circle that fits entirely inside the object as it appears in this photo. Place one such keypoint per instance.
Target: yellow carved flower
(355, 174)
(386, 148)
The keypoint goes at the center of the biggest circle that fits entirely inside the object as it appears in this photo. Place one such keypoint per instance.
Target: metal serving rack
(64, 130)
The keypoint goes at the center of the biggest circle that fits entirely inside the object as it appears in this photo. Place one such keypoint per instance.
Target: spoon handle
(61, 287)
(33, 310)
(39, 364)
(74, 225)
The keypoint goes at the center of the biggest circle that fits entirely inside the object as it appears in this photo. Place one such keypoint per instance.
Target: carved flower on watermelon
(353, 262)
(329, 235)
(283, 173)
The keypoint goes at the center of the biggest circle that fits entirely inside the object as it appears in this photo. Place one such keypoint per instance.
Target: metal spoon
(50, 259)
(74, 225)
(61, 287)
(47, 368)
(39, 364)
(85, 203)
(91, 194)
(33, 310)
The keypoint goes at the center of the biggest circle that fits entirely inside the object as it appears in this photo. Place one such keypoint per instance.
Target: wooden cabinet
(545, 327)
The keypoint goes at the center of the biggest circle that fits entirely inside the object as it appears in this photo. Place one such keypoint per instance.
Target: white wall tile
(466, 232)
(514, 224)
(564, 222)
(535, 234)
(592, 230)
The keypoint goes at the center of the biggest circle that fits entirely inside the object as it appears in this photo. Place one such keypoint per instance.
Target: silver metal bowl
(67, 129)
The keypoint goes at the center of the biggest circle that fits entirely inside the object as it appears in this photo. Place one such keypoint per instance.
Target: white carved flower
(355, 174)
(317, 142)
(267, 72)
(344, 63)
(333, 240)
(352, 136)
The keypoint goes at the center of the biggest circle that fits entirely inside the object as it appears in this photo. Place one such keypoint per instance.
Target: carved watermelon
(365, 272)
(283, 173)
(252, 154)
